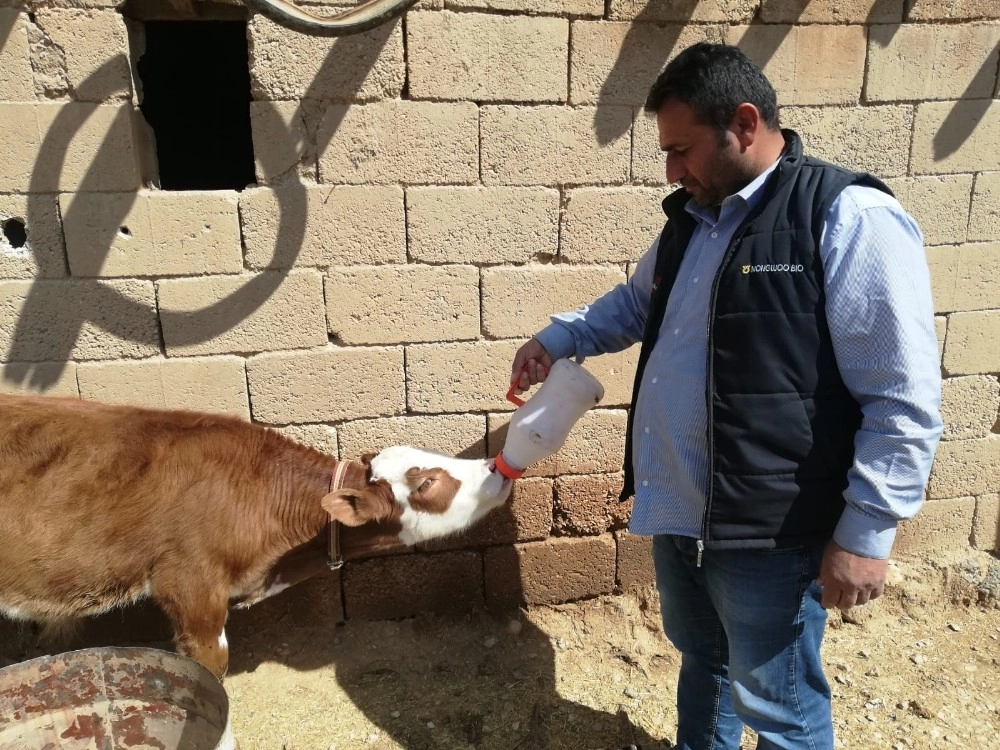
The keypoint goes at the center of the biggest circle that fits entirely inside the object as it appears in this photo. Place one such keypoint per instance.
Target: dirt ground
(919, 668)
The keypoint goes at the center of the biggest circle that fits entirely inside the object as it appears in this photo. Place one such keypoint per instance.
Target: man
(786, 405)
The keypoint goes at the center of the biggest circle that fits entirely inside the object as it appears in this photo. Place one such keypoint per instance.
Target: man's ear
(745, 124)
(352, 507)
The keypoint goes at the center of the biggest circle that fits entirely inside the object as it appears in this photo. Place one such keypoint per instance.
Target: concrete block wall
(426, 194)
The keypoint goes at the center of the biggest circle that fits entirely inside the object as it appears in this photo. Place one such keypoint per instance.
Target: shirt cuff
(864, 535)
(557, 340)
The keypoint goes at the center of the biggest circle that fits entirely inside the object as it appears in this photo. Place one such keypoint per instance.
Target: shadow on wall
(954, 131)
(54, 306)
(52, 319)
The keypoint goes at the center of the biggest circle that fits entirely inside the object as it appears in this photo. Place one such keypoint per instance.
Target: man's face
(710, 168)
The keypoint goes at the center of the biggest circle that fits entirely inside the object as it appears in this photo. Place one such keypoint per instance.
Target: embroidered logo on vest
(777, 267)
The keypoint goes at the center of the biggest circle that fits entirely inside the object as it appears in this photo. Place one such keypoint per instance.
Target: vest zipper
(709, 380)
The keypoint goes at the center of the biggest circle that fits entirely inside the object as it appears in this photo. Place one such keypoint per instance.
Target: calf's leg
(199, 620)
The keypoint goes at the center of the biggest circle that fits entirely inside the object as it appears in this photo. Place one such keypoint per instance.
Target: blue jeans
(749, 625)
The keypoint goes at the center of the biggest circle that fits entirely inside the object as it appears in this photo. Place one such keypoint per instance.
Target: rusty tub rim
(157, 681)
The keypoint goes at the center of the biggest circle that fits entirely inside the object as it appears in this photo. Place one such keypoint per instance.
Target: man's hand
(531, 363)
(848, 579)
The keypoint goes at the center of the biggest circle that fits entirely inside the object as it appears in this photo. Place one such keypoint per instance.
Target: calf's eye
(425, 485)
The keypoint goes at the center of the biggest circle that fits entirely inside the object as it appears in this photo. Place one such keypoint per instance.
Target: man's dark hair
(714, 79)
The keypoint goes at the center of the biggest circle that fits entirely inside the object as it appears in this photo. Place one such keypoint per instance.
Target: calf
(104, 505)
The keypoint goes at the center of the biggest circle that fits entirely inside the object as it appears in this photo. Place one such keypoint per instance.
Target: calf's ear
(352, 507)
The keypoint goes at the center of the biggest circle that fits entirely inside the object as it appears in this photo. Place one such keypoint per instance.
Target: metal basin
(113, 699)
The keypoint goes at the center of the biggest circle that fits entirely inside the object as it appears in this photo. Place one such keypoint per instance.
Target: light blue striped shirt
(878, 304)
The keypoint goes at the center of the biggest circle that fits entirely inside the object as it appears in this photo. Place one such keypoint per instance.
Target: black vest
(781, 422)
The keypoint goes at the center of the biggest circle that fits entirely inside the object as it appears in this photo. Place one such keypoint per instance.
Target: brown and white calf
(103, 505)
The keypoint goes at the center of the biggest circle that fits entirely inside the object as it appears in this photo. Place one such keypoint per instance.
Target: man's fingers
(528, 374)
(831, 597)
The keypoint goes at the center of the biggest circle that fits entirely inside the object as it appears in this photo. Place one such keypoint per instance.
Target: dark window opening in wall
(196, 97)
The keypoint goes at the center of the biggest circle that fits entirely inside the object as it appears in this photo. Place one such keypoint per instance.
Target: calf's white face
(439, 495)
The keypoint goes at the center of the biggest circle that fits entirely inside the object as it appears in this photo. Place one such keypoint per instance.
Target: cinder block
(831, 11)
(526, 516)
(41, 255)
(95, 47)
(986, 523)
(367, 144)
(86, 147)
(20, 142)
(59, 378)
(617, 374)
(549, 145)
(951, 10)
(554, 7)
(482, 225)
(939, 204)
(635, 560)
(282, 147)
(588, 504)
(524, 60)
(212, 384)
(402, 303)
(965, 467)
(61, 320)
(807, 64)
(298, 225)
(648, 162)
(966, 277)
(238, 314)
(549, 572)
(452, 434)
(960, 136)
(16, 79)
(719, 11)
(313, 603)
(288, 65)
(610, 225)
(940, 526)
(326, 385)
(984, 219)
(971, 345)
(322, 437)
(969, 406)
(941, 329)
(459, 377)
(152, 233)
(595, 444)
(868, 139)
(517, 301)
(48, 63)
(932, 61)
(403, 585)
(616, 63)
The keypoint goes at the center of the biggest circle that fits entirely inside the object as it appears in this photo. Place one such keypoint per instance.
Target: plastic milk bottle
(540, 426)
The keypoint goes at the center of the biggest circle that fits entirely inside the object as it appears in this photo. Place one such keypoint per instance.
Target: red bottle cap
(506, 469)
